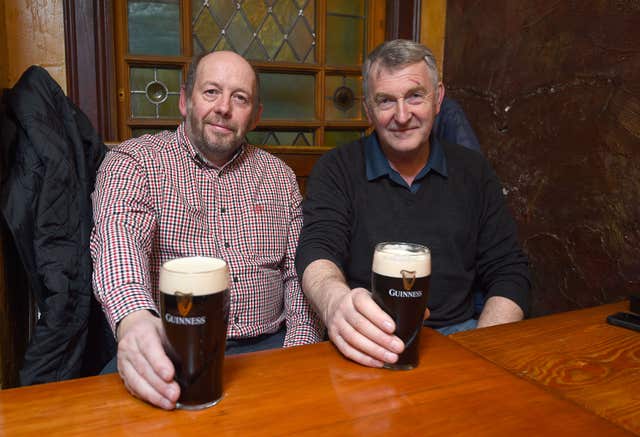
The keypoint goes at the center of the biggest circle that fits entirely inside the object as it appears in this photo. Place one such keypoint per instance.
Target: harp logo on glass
(185, 302)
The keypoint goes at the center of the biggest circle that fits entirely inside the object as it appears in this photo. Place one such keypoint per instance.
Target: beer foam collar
(196, 275)
(392, 259)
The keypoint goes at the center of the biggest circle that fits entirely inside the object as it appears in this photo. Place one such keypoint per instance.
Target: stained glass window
(307, 53)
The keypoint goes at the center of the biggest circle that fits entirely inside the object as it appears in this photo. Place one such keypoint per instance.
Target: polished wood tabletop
(575, 354)
(313, 390)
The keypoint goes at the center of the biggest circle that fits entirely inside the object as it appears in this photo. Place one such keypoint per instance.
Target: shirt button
(236, 319)
(235, 279)
(226, 244)
(223, 210)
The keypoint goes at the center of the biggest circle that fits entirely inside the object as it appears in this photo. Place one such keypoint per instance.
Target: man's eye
(416, 98)
(212, 92)
(384, 102)
(241, 99)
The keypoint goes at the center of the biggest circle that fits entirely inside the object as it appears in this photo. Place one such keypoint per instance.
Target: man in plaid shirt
(200, 190)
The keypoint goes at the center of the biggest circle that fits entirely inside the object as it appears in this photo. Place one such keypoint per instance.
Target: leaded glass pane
(334, 138)
(154, 27)
(222, 10)
(155, 92)
(280, 138)
(287, 96)
(343, 98)
(206, 31)
(345, 41)
(282, 30)
(239, 33)
(271, 36)
(286, 13)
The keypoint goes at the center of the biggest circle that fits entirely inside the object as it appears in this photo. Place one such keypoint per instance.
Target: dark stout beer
(194, 304)
(400, 279)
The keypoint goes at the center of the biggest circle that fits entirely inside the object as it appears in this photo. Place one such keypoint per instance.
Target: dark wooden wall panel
(553, 91)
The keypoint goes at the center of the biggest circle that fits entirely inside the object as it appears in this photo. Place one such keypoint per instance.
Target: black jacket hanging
(53, 155)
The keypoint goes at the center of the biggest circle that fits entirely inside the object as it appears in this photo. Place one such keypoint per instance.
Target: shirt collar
(377, 164)
(195, 154)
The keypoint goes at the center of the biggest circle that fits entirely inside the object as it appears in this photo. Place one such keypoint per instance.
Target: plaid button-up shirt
(156, 199)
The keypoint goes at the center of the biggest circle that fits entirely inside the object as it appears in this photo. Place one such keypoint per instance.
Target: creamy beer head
(197, 275)
(390, 259)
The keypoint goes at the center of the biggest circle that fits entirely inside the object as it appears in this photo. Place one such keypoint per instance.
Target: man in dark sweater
(403, 184)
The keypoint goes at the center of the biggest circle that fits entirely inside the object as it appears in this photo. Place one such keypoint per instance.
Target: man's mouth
(221, 128)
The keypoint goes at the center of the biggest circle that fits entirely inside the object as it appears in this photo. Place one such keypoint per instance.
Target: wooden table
(313, 390)
(576, 355)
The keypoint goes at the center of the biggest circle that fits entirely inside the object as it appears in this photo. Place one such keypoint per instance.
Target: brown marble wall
(553, 91)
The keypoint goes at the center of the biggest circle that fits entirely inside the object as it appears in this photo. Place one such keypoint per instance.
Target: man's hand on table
(143, 365)
(361, 330)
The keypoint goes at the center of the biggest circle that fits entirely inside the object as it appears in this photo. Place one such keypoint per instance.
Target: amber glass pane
(343, 98)
(280, 138)
(287, 96)
(345, 40)
(333, 138)
(154, 27)
(155, 92)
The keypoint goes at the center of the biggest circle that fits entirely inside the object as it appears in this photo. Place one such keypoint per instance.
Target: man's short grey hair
(396, 54)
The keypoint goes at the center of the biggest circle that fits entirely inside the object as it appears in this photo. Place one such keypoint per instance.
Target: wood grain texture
(576, 355)
(312, 390)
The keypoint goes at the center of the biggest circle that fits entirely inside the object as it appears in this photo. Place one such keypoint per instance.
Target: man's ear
(440, 97)
(256, 117)
(366, 111)
(182, 102)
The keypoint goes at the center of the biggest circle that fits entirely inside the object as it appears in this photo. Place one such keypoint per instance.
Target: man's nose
(403, 114)
(222, 105)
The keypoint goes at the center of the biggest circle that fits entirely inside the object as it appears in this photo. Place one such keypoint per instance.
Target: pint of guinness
(400, 286)
(194, 305)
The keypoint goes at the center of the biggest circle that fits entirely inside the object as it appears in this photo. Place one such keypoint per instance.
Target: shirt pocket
(267, 227)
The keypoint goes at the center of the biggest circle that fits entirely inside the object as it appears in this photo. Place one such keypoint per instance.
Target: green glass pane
(270, 36)
(224, 45)
(303, 139)
(286, 54)
(343, 98)
(287, 138)
(334, 138)
(172, 78)
(280, 138)
(345, 41)
(287, 96)
(257, 138)
(351, 7)
(255, 10)
(239, 33)
(222, 10)
(205, 32)
(301, 39)
(154, 27)
(139, 78)
(256, 51)
(169, 108)
(286, 13)
(142, 107)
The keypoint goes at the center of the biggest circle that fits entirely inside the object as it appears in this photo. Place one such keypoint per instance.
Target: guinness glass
(194, 304)
(400, 286)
